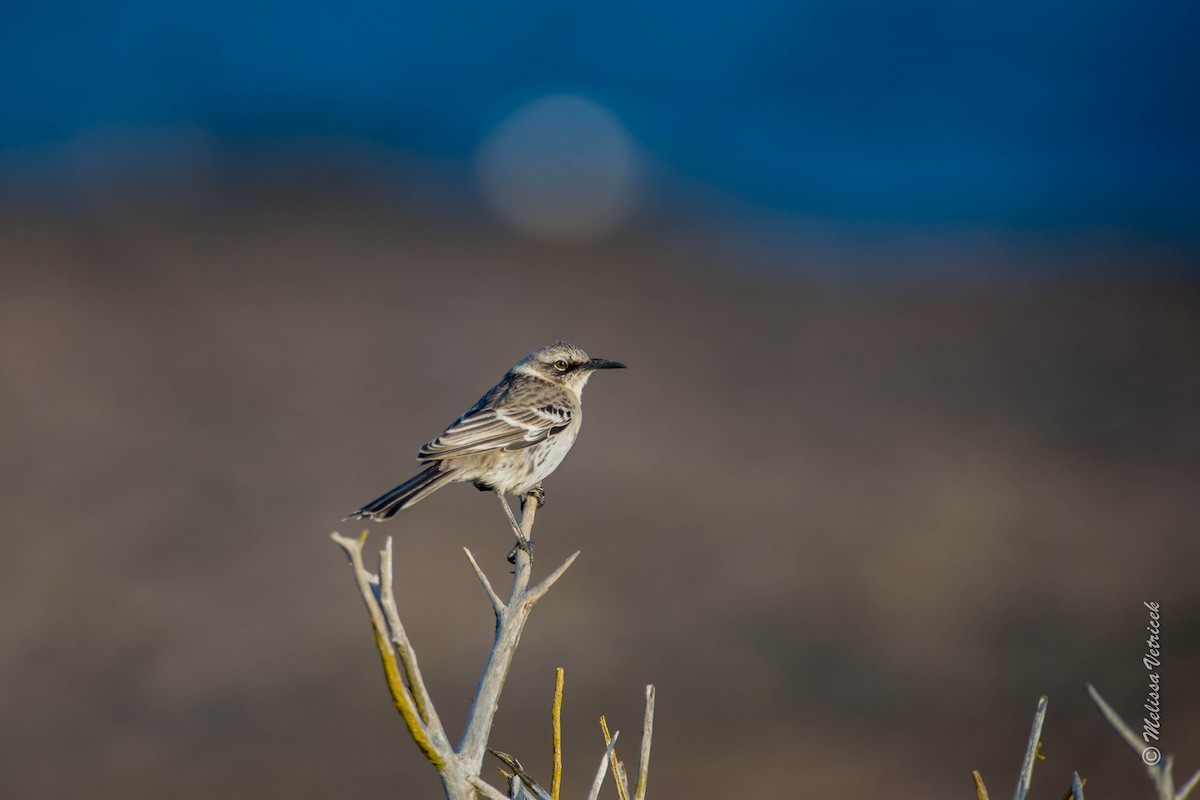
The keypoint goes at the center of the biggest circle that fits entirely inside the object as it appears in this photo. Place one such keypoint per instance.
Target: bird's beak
(601, 363)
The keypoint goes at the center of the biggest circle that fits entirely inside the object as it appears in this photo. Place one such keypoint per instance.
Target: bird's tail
(418, 486)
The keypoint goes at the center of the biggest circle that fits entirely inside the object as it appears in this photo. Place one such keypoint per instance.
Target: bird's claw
(522, 544)
(538, 494)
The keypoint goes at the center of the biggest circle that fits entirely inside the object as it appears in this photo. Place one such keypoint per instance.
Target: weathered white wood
(598, 781)
(459, 768)
(643, 777)
(1031, 748)
(497, 603)
(1162, 773)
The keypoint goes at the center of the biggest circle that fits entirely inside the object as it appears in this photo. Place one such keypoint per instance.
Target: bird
(511, 440)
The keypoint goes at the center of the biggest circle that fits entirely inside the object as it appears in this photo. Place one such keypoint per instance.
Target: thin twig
(460, 768)
(598, 781)
(401, 697)
(519, 771)
(647, 732)
(980, 789)
(408, 656)
(1031, 751)
(497, 603)
(618, 769)
(540, 589)
(556, 733)
(509, 625)
(489, 791)
(1187, 787)
(1114, 720)
(473, 745)
(1070, 793)
(1160, 772)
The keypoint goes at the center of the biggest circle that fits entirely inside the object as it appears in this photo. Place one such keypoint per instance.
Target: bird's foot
(538, 494)
(522, 544)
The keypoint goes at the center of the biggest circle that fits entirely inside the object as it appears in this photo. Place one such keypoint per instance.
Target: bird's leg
(511, 519)
(522, 542)
(537, 493)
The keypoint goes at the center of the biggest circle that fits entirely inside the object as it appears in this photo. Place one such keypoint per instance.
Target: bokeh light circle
(561, 168)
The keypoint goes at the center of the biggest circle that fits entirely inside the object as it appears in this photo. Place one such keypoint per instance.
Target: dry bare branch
(535, 594)
(643, 778)
(459, 768)
(1126, 733)
(497, 603)
(430, 739)
(598, 781)
(1070, 793)
(556, 733)
(531, 787)
(1160, 772)
(509, 624)
(1166, 786)
(1187, 787)
(1114, 720)
(1031, 751)
(489, 791)
(408, 656)
(981, 789)
(618, 769)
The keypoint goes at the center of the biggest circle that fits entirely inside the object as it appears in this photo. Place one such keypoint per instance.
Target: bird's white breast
(518, 471)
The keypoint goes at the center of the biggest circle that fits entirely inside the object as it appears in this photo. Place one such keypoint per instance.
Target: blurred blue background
(1023, 119)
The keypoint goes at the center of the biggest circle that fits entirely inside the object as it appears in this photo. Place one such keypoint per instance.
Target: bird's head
(564, 364)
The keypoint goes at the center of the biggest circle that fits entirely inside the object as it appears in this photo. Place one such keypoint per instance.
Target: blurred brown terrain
(851, 531)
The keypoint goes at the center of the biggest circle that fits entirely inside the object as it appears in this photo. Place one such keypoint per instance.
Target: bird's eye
(560, 365)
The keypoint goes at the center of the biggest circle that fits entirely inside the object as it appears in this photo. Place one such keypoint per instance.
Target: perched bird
(511, 440)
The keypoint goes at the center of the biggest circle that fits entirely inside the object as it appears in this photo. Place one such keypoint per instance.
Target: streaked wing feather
(492, 429)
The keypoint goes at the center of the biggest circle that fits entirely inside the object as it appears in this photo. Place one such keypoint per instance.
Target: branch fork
(459, 766)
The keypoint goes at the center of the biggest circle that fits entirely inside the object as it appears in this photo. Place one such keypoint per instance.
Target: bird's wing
(485, 429)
